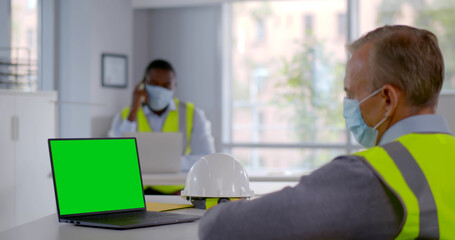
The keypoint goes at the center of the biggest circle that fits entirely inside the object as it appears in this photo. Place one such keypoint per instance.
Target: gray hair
(405, 57)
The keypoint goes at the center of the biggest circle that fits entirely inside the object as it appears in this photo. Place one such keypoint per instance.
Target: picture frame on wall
(114, 70)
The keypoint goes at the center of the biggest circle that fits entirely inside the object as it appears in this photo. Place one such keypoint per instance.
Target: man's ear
(391, 95)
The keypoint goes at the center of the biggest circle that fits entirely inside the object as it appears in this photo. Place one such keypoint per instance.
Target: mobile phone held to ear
(141, 86)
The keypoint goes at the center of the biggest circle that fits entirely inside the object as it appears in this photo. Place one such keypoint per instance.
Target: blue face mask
(159, 97)
(364, 134)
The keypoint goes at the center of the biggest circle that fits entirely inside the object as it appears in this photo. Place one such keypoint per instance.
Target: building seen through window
(287, 92)
(288, 89)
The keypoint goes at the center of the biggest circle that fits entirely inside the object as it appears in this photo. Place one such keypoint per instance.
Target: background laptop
(98, 183)
(159, 152)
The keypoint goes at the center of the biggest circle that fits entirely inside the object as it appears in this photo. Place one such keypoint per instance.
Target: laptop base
(130, 220)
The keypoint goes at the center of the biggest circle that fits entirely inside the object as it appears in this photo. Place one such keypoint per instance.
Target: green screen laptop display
(96, 175)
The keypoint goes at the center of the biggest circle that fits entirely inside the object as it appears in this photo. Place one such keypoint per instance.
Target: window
(31, 4)
(437, 16)
(342, 24)
(30, 39)
(308, 23)
(18, 62)
(260, 30)
(287, 92)
(289, 20)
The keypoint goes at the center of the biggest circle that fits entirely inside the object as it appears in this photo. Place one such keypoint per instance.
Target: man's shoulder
(350, 160)
(193, 105)
(345, 168)
(186, 102)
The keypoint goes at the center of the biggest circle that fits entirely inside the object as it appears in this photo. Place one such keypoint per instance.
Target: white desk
(48, 228)
(180, 178)
(260, 184)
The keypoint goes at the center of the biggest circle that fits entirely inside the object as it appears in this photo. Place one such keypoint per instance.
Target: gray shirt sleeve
(201, 140)
(341, 200)
(119, 126)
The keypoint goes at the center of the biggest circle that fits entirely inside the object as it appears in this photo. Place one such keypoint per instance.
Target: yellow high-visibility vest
(178, 120)
(419, 169)
(183, 111)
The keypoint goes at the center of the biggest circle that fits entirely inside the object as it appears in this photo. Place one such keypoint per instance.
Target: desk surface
(180, 178)
(49, 228)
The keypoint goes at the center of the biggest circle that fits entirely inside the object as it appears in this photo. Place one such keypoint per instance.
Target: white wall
(141, 47)
(74, 79)
(112, 32)
(190, 39)
(86, 30)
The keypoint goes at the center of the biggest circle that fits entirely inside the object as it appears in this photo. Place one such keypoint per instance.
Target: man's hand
(139, 96)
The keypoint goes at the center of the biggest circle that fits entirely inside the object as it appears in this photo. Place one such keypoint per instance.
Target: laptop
(160, 152)
(98, 183)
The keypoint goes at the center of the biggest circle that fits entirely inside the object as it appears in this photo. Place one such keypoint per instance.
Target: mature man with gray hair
(402, 186)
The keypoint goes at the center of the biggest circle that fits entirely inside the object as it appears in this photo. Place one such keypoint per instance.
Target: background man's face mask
(159, 97)
(364, 134)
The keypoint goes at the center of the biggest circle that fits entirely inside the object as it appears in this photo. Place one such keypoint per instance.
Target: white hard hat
(217, 175)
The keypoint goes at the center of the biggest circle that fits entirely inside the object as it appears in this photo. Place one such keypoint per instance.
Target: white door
(8, 121)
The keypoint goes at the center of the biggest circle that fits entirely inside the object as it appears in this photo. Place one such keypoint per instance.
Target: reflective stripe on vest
(419, 170)
(184, 111)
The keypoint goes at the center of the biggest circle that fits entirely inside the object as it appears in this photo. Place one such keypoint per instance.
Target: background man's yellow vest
(419, 170)
(178, 120)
